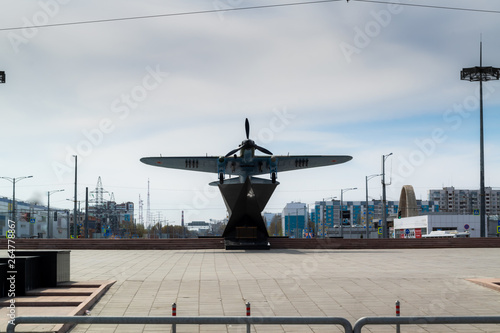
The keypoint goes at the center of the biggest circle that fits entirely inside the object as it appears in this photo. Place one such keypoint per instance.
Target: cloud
(82, 89)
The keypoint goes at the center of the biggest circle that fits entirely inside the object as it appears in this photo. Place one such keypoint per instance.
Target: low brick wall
(276, 243)
(116, 244)
(413, 243)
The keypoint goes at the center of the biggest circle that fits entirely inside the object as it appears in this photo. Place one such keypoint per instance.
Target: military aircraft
(246, 164)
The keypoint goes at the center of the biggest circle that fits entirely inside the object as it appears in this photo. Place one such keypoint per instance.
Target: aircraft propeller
(248, 144)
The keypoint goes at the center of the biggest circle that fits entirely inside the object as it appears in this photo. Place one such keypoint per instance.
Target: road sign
(498, 229)
(476, 212)
(407, 231)
(380, 230)
(466, 227)
(32, 220)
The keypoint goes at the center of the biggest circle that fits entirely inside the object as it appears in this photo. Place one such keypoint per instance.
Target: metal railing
(348, 328)
(183, 320)
(424, 320)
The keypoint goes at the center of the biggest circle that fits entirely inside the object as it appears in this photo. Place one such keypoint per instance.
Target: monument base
(246, 229)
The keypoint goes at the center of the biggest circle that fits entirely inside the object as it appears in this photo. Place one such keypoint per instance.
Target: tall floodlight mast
(481, 74)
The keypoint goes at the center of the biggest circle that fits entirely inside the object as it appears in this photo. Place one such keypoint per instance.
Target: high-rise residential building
(323, 216)
(465, 202)
(327, 213)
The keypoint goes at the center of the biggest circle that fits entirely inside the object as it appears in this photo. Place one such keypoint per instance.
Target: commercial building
(34, 220)
(418, 226)
(200, 227)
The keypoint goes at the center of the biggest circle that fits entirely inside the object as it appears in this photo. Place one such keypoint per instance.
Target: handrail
(182, 320)
(240, 320)
(424, 320)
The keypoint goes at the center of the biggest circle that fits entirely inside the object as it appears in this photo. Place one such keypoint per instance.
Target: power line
(241, 9)
(432, 6)
(170, 15)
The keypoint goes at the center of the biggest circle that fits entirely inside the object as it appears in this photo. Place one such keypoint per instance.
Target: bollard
(174, 314)
(398, 313)
(248, 315)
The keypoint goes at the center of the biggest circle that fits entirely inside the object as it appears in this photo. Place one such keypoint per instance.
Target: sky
(115, 81)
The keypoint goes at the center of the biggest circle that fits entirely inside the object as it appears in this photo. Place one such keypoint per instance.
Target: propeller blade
(232, 152)
(262, 149)
(247, 127)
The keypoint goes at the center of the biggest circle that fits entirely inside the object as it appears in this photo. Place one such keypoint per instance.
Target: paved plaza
(341, 283)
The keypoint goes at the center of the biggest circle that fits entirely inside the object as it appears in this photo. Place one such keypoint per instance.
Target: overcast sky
(358, 78)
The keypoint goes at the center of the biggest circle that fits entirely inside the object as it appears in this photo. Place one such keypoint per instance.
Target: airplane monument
(246, 196)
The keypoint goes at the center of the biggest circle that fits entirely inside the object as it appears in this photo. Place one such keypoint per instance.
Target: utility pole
(148, 210)
(367, 220)
(481, 74)
(86, 222)
(75, 215)
(384, 213)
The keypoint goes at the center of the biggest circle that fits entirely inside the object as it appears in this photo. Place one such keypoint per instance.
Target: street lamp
(367, 178)
(342, 209)
(384, 213)
(481, 74)
(48, 212)
(13, 181)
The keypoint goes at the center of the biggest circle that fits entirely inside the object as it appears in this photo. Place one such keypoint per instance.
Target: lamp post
(13, 209)
(367, 178)
(49, 227)
(481, 74)
(384, 213)
(342, 208)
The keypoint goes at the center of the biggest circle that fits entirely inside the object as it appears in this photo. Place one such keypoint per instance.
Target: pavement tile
(340, 283)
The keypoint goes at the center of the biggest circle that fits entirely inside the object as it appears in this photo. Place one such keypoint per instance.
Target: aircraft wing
(288, 163)
(192, 163)
(236, 166)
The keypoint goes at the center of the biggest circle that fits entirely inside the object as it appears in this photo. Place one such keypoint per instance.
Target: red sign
(418, 233)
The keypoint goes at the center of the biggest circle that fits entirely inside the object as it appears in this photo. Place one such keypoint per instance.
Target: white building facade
(417, 226)
(32, 220)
